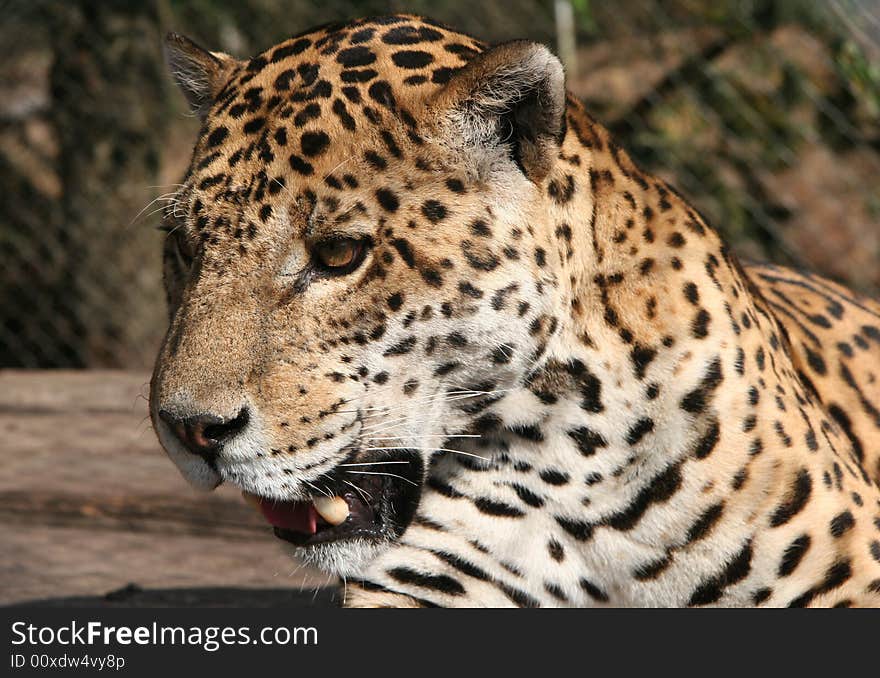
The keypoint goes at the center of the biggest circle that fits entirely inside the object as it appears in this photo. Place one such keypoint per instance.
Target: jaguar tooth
(332, 509)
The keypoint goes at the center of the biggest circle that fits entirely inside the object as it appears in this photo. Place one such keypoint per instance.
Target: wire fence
(766, 113)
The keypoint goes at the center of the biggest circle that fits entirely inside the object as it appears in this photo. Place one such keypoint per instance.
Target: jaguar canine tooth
(332, 509)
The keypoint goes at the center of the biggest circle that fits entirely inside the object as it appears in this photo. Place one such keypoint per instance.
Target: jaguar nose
(203, 434)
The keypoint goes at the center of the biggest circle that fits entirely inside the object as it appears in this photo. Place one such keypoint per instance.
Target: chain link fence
(766, 113)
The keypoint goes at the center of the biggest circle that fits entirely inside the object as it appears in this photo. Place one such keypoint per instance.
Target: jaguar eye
(339, 255)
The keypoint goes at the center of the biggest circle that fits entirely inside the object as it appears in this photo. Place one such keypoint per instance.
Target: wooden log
(89, 504)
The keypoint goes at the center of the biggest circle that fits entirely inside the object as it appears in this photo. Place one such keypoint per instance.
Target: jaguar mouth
(372, 503)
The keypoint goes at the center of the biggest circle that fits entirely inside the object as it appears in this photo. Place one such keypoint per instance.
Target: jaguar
(459, 350)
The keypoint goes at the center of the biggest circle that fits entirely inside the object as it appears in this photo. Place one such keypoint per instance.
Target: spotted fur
(654, 424)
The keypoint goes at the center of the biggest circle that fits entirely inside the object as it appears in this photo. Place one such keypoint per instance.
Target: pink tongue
(296, 516)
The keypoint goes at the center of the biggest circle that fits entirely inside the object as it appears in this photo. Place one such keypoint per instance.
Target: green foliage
(586, 20)
(861, 75)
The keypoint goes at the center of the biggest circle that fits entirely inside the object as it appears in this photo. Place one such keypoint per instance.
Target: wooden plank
(74, 390)
(89, 503)
(41, 563)
(151, 514)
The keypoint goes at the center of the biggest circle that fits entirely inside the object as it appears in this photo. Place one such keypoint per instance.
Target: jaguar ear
(510, 98)
(200, 74)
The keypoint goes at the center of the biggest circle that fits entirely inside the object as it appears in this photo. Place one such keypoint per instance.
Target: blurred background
(765, 113)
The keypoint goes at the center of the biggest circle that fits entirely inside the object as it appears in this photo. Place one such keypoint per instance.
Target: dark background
(766, 113)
